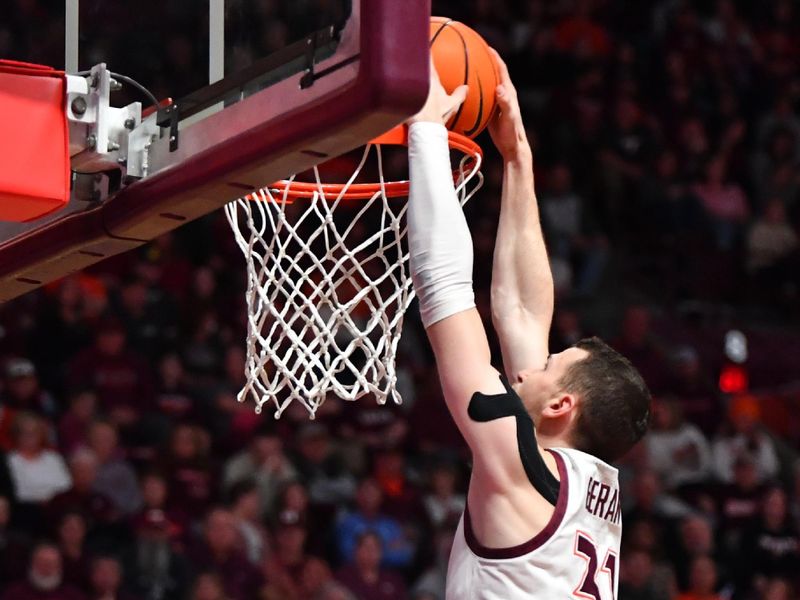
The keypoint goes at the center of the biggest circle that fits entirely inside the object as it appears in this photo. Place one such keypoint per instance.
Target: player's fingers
(434, 75)
(501, 64)
(459, 94)
(456, 99)
(505, 78)
(503, 98)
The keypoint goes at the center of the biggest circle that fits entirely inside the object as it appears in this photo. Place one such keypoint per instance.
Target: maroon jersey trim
(536, 541)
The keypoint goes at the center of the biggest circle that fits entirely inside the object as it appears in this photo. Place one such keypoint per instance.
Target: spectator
(443, 503)
(364, 576)
(702, 580)
(71, 534)
(677, 451)
(244, 505)
(772, 545)
(82, 496)
(208, 586)
(263, 461)
(696, 540)
(725, 203)
(777, 589)
(173, 399)
(627, 150)
(292, 574)
(739, 501)
(219, 552)
(38, 474)
(320, 467)
(397, 551)
(14, 546)
(22, 390)
(45, 578)
(641, 345)
(695, 390)
(572, 235)
(115, 478)
(191, 471)
(771, 249)
(334, 591)
(155, 502)
(744, 434)
(401, 497)
(120, 376)
(106, 579)
(234, 421)
(433, 581)
(149, 320)
(154, 569)
(637, 579)
(74, 425)
(774, 164)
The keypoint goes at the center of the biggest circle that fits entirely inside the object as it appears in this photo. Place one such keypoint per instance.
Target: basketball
(461, 57)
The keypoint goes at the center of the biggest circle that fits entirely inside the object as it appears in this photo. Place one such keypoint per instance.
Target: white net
(327, 287)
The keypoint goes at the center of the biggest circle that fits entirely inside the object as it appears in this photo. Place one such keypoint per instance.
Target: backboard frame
(377, 77)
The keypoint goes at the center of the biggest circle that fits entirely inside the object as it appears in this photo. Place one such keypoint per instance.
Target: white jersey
(576, 555)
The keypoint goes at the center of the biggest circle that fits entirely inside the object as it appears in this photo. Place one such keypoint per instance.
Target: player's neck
(552, 440)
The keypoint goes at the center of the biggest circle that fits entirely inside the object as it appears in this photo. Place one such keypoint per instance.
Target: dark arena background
(666, 147)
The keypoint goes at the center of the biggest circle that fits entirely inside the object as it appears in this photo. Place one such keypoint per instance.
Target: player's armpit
(463, 361)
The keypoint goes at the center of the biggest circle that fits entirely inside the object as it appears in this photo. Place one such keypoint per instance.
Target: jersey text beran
(602, 500)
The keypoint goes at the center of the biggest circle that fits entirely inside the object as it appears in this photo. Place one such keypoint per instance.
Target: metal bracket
(311, 52)
(169, 117)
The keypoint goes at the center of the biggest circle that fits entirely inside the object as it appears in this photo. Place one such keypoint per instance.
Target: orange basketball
(463, 57)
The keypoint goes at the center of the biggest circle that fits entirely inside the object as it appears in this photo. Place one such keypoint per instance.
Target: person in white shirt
(38, 473)
(676, 450)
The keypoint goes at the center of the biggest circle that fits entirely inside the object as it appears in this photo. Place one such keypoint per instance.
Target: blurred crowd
(666, 147)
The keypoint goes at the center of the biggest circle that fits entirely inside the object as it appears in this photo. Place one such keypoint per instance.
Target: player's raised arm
(441, 259)
(522, 283)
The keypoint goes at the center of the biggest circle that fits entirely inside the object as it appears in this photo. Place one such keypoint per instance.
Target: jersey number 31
(590, 585)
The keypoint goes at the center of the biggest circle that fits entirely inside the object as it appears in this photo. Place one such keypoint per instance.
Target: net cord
(305, 339)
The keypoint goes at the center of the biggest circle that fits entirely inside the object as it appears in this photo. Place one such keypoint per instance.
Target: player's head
(590, 394)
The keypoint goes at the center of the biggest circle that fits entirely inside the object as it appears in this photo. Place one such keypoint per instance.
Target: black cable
(129, 81)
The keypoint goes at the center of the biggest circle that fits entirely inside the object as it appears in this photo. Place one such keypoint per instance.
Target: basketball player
(543, 508)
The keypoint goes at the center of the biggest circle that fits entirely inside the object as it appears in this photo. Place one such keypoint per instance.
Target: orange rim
(296, 190)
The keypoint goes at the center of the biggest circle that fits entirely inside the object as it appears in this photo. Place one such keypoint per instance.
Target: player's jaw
(541, 389)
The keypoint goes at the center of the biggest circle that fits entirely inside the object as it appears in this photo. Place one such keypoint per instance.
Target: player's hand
(506, 127)
(440, 105)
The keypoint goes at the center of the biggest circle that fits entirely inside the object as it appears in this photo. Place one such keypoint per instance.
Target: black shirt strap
(483, 408)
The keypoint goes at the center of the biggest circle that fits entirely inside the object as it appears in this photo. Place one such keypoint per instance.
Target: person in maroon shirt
(155, 499)
(95, 506)
(71, 534)
(73, 427)
(120, 376)
(105, 579)
(219, 552)
(44, 580)
(365, 578)
(290, 572)
(192, 475)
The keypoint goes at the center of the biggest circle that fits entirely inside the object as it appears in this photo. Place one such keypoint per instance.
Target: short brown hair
(614, 409)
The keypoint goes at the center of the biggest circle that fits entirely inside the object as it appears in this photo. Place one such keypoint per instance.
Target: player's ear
(559, 406)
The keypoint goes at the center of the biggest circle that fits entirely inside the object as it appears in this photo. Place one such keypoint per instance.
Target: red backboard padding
(34, 141)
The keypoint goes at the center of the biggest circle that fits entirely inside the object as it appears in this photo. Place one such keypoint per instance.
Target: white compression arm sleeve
(439, 240)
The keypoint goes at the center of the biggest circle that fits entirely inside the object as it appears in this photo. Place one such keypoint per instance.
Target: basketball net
(328, 285)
